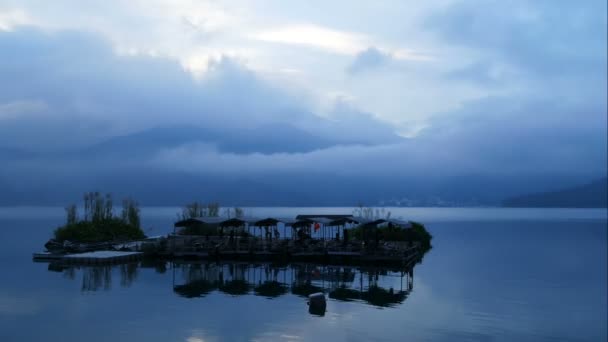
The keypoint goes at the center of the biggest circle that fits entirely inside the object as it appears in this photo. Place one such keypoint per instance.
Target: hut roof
(403, 224)
(300, 220)
(323, 220)
(273, 221)
(344, 220)
(380, 222)
(331, 217)
(198, 220)
(222, 221)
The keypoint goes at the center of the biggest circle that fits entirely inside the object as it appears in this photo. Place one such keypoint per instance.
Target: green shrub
(99, 223)
(417, 233)
(422, 235)
(99, 231)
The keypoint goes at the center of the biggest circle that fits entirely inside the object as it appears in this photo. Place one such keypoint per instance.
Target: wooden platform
(91, 258)
(45, 256)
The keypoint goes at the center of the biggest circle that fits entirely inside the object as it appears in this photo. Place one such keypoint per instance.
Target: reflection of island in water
(377, 286)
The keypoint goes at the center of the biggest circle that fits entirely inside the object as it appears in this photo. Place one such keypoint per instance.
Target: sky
(396, 92)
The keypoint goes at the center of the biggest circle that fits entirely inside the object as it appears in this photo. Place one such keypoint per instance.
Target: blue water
(493, 275)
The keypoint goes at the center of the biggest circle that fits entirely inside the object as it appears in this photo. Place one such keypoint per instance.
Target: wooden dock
(91, 258)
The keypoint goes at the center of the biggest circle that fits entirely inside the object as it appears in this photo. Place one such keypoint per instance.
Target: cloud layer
(469, 101)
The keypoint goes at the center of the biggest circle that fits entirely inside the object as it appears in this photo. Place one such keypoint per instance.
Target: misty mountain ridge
(125, 165)
(591, 195)
(265, 139)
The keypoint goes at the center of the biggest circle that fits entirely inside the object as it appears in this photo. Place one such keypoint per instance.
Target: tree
(130, 212)
(99, 223)
(72, 214)
(197, 209)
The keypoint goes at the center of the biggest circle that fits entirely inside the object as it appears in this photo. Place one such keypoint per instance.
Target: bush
(99, 223)
(102, 230)
(422, 235)
(395, 233)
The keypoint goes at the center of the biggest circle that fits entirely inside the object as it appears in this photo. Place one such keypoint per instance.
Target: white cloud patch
(16, 109)
(315, 36)
(10, 19)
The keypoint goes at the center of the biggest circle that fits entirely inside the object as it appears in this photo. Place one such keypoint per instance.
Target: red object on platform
(317, 226)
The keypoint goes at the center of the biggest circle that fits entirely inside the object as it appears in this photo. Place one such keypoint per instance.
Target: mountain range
(591, 195)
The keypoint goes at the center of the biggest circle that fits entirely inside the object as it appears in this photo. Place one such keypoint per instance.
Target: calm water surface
(493, 275)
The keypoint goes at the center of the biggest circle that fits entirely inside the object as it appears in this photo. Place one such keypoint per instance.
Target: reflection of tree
(128, 274)
(94, 278)
(56, 267)
(69, 272)
(160, 266)
(345, 294)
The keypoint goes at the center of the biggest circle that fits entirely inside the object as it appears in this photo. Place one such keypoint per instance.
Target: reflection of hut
(372, 285)
(345, 294)
(194, 289)
(304, 289)
(236, 287)
(271, 289)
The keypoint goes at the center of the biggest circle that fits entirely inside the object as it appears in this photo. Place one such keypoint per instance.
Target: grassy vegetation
(417, 233)
(99, 223)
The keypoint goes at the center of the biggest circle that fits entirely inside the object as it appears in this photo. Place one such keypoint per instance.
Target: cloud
(315, 36)
(489, 149)
(484, 73)
(12, 18)
(369, 59)
(524, 135)
(82, 83)
(508, 121)
(373, 57)
(12, 110)
(492, 137)
(541, 37)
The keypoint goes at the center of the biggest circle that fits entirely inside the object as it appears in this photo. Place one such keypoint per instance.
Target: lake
(494, 274)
